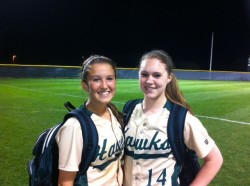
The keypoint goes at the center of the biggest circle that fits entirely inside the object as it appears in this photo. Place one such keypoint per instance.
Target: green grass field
(28, 106)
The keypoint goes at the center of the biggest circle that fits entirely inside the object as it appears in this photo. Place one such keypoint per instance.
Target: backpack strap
(69, 106)
(90, 137)
(128, 109)
(175, 129)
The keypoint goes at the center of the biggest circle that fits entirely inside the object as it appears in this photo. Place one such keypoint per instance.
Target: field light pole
(211, 52)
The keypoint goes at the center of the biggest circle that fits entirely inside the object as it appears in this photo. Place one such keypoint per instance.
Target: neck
(99, 109)
(151, 106)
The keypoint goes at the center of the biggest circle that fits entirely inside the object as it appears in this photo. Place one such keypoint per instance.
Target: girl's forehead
(101, 68)
(152, 64)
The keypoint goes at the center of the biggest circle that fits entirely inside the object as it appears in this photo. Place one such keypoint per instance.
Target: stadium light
(14, 58)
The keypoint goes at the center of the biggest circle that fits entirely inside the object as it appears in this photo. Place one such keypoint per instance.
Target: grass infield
(29, 106)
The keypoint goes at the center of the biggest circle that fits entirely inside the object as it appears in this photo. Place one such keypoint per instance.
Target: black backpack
(184, 156)
(43, 168)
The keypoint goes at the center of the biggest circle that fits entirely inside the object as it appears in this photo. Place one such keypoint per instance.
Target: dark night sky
(60, 32)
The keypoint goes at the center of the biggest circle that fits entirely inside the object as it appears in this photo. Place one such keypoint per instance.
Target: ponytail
(117, 114)
(174, 94)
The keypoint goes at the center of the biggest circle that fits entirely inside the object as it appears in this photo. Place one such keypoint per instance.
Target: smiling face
(153, 78)
(100, 84)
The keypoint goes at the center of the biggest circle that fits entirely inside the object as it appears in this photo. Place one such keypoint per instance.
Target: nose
(104, 84)
(149, 79)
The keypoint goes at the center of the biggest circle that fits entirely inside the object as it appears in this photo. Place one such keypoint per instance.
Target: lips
(150, 88)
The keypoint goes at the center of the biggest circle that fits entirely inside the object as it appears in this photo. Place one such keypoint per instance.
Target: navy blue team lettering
(109, 152)
(145, 144)
(102, 151)
(107, 157)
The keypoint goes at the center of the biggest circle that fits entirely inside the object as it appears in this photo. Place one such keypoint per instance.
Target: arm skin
(66, 178)
(211, 166)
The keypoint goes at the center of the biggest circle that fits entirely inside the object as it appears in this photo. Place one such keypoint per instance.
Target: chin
(105, 100)
(150, 96)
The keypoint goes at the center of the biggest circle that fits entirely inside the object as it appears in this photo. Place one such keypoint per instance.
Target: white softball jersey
(106, 169)
(149, 160)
